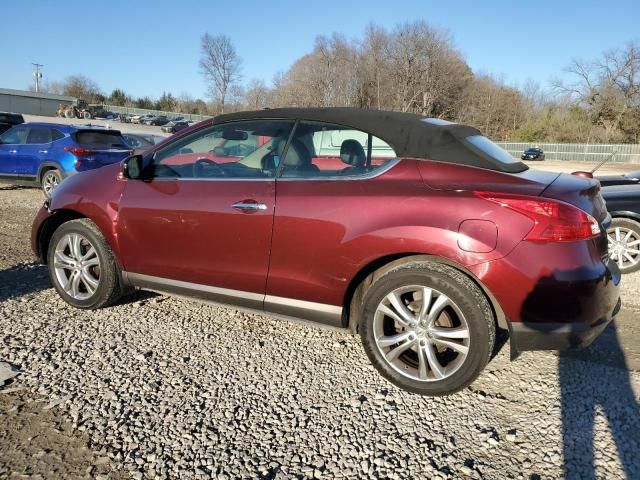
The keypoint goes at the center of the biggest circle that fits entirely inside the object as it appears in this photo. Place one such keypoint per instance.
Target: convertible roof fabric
(410, 135)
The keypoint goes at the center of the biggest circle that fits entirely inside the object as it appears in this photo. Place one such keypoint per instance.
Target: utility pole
(37, 75)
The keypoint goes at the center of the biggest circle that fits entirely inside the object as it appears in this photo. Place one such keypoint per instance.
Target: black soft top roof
(410, 135)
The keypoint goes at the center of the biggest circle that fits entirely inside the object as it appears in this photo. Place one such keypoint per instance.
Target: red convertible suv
(420, 235)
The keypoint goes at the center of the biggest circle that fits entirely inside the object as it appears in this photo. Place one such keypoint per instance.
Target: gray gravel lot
(170, 388)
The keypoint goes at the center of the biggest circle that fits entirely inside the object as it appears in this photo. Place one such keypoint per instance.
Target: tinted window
(98, 138)
(249, 149)
(56, 135)
(15, 135)
(323, 150)
(489, 148)
(39, 135)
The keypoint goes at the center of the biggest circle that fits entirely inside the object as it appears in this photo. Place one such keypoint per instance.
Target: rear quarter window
(95, 138)
(486, 146)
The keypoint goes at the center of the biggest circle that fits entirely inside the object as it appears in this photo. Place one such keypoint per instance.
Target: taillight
(77, 151)
(552, 220)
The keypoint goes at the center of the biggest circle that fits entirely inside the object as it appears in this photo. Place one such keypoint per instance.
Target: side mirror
(132, 167)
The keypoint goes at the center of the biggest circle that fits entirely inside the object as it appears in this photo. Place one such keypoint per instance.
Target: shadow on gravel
(23, 279)
(587, 387)
(14, 187)
(593, 381)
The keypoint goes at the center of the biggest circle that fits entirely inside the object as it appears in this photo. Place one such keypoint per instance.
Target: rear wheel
(427, 328)
(624, 244)
(82, 267)
(49, 181)
(87, 115)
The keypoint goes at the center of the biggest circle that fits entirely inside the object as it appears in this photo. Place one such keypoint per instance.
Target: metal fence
(144, 111)
(580, 152)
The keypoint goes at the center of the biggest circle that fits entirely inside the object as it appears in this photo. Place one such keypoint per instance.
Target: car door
(34, 151)
(327, 196)
(10, 144)
(199, 227)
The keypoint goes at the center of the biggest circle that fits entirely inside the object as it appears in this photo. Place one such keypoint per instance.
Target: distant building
(23, 101)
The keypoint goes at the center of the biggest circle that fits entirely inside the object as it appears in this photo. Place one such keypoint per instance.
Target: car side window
(56, 135)
(39, 135)
(249, 149)
(319, 150)
(14, 136)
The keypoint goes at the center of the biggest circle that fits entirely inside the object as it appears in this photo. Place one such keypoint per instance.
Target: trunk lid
(581, 192)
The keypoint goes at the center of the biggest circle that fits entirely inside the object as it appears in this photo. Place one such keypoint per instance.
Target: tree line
(415, 67)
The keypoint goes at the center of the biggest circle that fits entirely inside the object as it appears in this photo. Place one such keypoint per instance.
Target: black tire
(468, 298)
(626, 226)
(87, 115)
(109, 289)
(49, 180)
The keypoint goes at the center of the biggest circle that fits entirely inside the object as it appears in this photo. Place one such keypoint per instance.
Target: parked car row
(157, 120)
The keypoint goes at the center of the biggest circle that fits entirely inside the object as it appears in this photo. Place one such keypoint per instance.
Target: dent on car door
(325, 195)
(202, 227)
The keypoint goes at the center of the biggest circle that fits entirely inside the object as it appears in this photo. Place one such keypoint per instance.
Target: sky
(146, 47)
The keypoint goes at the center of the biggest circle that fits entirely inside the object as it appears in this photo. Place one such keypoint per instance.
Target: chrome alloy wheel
(421, 333)
(49, 182)
(624, 247)
(77, 266)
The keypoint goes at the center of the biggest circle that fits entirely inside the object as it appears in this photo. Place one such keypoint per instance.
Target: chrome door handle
(13, 151)
(246, 205)
(43, 151)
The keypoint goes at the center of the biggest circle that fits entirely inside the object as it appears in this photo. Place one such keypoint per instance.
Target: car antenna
(604, 161)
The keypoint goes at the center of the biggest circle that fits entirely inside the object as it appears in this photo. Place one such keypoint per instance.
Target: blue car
(44, 154)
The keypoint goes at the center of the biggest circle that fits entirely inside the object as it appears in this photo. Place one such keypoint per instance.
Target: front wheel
(82, 267)
(624, 244)
(50, 180)
(427, 328)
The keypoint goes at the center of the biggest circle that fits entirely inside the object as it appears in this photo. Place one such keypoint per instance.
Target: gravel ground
(161, 387)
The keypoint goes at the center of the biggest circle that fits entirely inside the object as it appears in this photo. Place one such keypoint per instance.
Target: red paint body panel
(326, 231)
(186, 230)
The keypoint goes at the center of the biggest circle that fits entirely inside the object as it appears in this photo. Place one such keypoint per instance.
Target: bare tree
(257, 94)
(82, 87)
(220, 65)
(609, 88)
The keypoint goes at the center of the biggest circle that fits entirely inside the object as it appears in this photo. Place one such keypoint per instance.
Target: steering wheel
(204, 167)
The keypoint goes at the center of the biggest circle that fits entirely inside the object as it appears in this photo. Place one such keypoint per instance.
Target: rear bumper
(557, 336)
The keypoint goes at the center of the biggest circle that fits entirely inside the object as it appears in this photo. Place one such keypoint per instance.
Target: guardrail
(144, 111)
(578, 152)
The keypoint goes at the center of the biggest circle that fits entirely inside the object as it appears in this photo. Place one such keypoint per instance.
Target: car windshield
(490, 149)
